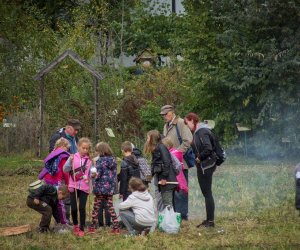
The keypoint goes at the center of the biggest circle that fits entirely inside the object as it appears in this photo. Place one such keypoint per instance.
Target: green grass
(254, 210)
(10, 163)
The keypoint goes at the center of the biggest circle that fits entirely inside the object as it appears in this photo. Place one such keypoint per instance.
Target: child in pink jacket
(182, 183)
(78, 166)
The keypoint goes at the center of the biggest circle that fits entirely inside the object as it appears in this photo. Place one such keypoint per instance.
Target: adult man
(69, 132)
(170, 131)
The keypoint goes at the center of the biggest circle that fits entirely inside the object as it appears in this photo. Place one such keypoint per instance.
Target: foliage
(144, 94)
(243, 65)
(240, 65)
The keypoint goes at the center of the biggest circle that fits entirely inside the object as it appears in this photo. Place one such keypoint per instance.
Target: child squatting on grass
(53, 174)
(104, 185)
(78, 166)
(44, 199)
(137, 211)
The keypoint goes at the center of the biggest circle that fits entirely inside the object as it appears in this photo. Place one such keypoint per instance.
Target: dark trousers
(103, 208)
(205, 183)
(82, 198)
(99, 201)
(181, 199)
(44, 209)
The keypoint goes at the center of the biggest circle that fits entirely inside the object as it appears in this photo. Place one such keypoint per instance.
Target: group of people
(71, 172)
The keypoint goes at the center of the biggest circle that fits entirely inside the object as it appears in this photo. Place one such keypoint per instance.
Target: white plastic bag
(169, 221)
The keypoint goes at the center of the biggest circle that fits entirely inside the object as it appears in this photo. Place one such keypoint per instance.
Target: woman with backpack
(203, 145)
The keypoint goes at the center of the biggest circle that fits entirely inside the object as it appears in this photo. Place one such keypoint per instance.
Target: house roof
(145, 54)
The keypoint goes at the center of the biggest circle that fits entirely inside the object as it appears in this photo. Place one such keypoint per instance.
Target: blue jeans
(181, 199)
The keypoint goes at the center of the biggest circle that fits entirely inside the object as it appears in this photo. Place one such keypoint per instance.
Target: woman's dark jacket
(162, 166)
(203, 147)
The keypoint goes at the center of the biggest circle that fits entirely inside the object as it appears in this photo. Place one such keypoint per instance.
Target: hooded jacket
(142, 206)
(161, 166)
(129, 168)
(203, 146)
(145, 170)
(105, 180)
(78, 161)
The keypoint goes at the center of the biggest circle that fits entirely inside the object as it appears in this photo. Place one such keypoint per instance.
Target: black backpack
(218, 149)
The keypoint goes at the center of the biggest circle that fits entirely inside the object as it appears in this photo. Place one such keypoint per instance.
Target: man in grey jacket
(172, 120)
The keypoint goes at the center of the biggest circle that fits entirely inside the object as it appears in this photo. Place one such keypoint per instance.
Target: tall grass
(254, 210)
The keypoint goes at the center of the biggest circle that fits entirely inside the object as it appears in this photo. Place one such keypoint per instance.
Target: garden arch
(40, 78)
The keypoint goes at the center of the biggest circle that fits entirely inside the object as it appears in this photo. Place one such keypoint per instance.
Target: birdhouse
(145, 58)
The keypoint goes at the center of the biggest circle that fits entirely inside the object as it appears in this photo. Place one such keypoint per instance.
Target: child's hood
(107, 161)
(132, 160)
(57, 152)
(137, 152)
(144, 196)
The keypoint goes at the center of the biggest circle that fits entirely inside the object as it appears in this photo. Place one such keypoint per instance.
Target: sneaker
(115, 231)
(145, 232)
(206, 224)
(76, 229)
(43, 230)
(91, 230)
(202, 224)
(80, 233)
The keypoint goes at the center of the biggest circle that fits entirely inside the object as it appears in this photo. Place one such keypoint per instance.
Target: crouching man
(44, 199)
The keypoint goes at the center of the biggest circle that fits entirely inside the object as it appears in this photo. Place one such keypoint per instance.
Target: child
(145, 170)
(182, 188)
(78, 166)
(137, 212)
(129, 168)
(53, 173)
(104, 186)
(44, 198)
(161, 167)
(103, 209)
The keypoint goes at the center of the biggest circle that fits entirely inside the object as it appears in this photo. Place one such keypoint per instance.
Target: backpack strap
(81, 168)
(178, 134)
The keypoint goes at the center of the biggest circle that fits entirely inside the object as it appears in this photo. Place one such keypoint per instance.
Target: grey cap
(74, 123)
(165, 109)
